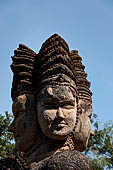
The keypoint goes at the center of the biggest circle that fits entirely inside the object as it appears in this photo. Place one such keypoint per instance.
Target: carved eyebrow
(57, 102)
(67, 102)
(48, 101)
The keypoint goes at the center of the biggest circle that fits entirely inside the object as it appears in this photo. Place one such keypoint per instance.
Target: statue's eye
(50, 106)
(68, 105)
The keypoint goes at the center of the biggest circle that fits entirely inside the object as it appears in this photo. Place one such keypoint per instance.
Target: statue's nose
(92, 133)
(11, 128)
(60, 114)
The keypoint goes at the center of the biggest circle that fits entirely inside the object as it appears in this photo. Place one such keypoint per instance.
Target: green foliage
(100, 146)
(99, 150)
(6, 138)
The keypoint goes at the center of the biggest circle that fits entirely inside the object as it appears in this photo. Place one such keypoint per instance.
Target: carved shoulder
(65, 160)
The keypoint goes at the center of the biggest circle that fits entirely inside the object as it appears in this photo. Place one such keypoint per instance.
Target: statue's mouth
(59, 124)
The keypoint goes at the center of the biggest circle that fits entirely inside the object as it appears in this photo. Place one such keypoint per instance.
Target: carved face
(86, 128)
(83, 129)
(24, 125)
(57, 111)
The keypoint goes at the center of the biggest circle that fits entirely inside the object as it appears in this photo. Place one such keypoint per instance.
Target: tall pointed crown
(53, 64)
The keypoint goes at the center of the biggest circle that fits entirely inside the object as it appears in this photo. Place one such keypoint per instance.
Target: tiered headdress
(54, 64)
(22, 67)
(83, 85)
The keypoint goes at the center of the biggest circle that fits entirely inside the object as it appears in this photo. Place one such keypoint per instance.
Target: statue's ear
(82, 128)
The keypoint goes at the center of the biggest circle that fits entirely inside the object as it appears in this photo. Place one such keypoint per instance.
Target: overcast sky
(86, 25)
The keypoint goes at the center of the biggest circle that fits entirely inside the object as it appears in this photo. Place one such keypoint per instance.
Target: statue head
(24, 126)
(59, 99)
(56, 89)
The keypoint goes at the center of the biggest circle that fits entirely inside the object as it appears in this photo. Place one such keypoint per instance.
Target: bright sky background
(86, 25)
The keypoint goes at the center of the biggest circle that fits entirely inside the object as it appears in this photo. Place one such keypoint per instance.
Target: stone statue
(52, 106)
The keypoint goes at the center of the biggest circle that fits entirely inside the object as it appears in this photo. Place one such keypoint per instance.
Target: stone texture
(52, 106)
(75, 161)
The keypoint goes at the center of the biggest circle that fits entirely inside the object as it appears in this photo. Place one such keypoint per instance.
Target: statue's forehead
(57, 92)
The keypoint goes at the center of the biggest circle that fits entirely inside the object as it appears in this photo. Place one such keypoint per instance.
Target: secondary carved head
(24, 126)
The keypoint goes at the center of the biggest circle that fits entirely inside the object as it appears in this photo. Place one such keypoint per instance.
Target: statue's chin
(22, 145)
(58, 135)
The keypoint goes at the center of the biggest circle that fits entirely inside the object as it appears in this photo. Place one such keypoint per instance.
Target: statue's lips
(59, 124)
